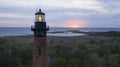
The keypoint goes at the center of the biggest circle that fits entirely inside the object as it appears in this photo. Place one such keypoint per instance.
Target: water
(87, 29)
(66, 34)
(13, 31)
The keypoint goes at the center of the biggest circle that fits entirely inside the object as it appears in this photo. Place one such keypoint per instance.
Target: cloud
(15, 23)
(12, 15)
(110, 7)
(19, 3)
(61, 12)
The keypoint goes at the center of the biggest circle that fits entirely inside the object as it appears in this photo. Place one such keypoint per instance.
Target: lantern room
(39, 16)
(39, 27)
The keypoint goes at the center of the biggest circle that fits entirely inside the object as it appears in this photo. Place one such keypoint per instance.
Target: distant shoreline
(55, 31)
(75, 33)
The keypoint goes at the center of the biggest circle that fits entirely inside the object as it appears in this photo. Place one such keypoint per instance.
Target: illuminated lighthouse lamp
(40, 16)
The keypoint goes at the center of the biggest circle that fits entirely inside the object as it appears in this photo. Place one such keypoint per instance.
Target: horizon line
(63, 27)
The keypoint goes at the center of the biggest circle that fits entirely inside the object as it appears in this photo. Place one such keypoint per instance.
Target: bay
(16, 31)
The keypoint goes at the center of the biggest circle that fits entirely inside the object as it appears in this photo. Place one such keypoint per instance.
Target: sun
(75, 25)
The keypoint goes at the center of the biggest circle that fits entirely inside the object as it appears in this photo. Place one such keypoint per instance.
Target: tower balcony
(36, 28)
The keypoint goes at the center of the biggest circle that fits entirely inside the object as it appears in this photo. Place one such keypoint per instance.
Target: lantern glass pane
(39, 18)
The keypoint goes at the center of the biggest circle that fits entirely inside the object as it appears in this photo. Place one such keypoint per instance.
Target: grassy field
(92, 50)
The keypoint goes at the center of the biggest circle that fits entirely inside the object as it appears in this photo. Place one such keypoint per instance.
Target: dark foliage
(98, 50)
(15, 54)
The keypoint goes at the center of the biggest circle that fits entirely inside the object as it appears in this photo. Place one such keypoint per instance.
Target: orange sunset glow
(74, 24)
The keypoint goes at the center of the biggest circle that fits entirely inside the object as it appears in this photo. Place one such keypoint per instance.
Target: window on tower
(39, 50)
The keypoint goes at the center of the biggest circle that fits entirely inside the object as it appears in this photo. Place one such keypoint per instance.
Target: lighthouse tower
(39, 48)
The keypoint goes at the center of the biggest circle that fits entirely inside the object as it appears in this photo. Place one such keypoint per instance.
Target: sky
(61, 13)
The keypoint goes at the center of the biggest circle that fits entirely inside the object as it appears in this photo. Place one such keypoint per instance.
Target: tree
(59, 62)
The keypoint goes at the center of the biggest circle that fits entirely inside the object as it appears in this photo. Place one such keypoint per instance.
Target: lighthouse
(40, 48)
